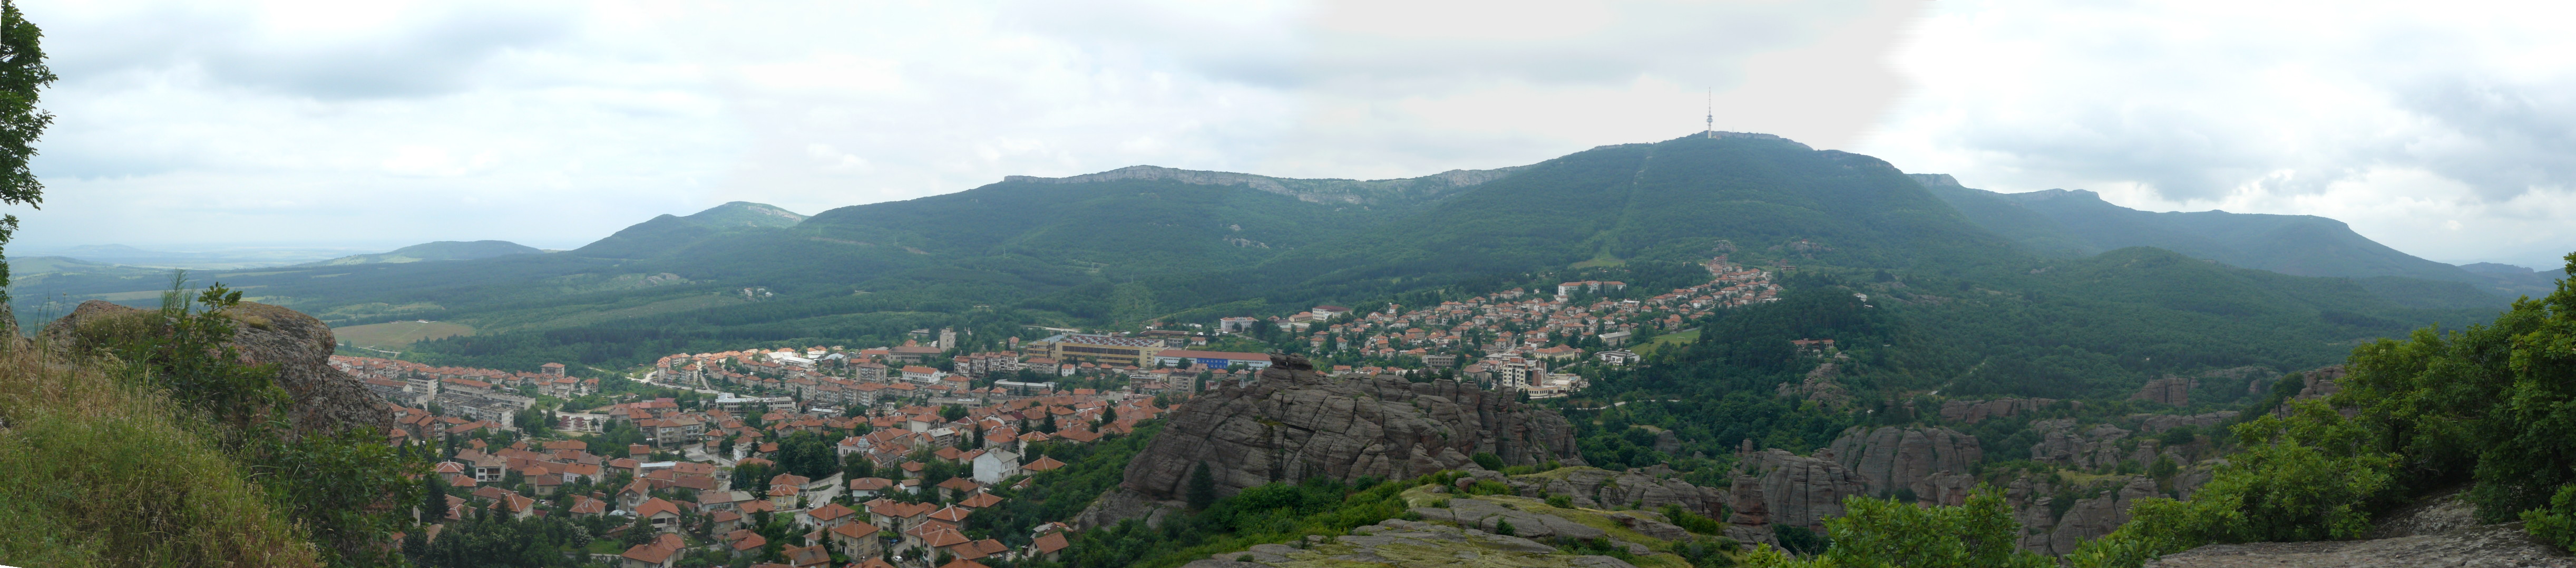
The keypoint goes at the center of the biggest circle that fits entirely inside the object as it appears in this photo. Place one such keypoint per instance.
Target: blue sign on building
(1215, 363)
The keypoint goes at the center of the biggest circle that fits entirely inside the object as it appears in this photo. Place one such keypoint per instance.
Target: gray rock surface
(2097, 516)
(2163, 422)
(2062, 443)
(1293, 423)
(2478, 546)
(1599, 488)
(2169, 390)
(1775, 486)
(1890, 458)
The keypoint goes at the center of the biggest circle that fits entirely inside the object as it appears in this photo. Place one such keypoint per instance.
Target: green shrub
(1560, 501)
(1488, 460)
(1887, 533)
(1693, 522)
(1504, 527)
(2557, 523)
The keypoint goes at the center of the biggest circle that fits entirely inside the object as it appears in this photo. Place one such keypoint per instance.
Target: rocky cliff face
(1930, 462)
(325, 399)
(1293, 423)
(1778, 487)
(2169, 390)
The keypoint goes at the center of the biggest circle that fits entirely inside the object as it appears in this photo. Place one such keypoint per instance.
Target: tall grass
(100, 472)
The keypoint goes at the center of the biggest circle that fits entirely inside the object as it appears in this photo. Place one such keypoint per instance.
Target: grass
(398, 334)
(101, 473)
(1683, 338)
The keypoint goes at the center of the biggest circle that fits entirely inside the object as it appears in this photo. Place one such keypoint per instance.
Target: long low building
(1211, 359)
(1134, 351)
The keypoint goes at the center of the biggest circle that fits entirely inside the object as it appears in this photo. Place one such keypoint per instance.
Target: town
(877, 457)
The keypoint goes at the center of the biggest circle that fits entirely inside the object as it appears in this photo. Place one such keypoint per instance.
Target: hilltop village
(833, 456)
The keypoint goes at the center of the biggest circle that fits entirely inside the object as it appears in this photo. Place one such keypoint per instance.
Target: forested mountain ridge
(1145, 243)
(2075, 223)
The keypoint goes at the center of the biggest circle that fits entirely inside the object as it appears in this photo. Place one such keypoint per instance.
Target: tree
(1202, 488)
(433, 502)
(22, 75)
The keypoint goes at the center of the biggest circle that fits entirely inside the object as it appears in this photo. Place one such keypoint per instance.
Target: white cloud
(2402, 119)
(384, 124)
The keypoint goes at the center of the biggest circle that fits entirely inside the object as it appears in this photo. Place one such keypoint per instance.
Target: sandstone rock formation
(1927, 461)
(2061, 444)
(325, 399)
(1974, 411)
(2097, 516)
(2163, 422)
(2169, 390)
(1599, 488)
(1293, 423)
(1775, 486)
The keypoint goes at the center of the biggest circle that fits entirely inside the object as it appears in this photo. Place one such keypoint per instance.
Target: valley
(1718, 350)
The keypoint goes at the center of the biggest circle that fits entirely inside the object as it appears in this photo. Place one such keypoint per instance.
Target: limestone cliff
(1294, 423)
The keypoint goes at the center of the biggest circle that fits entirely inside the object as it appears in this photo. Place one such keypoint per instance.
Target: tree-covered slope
(2076, 223)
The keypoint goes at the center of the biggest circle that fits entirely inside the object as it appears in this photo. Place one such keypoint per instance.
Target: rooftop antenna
(1711, 131)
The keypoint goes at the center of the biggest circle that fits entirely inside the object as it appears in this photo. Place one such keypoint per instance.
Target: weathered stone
(2486, 545)
(1294, 423)
(2163, 422)
(1890, 458)
(1792, 489)
(2169, 390)
(2061, 444)
(2097, 516)
(324, 399)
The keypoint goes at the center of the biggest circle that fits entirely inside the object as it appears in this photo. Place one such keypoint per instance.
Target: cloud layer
(384, 124)
(2442, 132)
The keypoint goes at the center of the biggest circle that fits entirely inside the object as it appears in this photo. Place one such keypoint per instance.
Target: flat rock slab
(2489, 545)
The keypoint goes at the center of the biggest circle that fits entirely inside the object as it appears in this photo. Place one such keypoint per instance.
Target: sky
(2441, 131)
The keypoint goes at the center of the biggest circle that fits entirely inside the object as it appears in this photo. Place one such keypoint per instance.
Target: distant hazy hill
(745, 214)
(439, 250)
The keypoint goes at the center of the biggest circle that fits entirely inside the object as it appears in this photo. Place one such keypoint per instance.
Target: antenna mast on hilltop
(1711, 131)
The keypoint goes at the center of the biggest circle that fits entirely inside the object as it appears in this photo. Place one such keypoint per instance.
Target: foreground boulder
(1294, 423)
(324, 398)
(2437, 531)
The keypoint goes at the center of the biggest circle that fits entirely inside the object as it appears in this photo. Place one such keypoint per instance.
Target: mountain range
(1158, 243)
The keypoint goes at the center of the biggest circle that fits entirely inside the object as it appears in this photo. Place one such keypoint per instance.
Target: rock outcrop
(1930, 462)
(2169, 390)
(2093, 517)
(1974, 411)
(1398, 542)
(2437, 531)
(1599, 488)
(324, 398)
(2163, 422)
(1293, 423)
(1775, 486)
(2062, 444)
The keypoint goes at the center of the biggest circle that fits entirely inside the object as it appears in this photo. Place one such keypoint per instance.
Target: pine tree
(1202, 490)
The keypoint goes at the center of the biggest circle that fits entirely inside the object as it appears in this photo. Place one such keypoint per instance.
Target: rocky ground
(1463, 531)
(2439, 531)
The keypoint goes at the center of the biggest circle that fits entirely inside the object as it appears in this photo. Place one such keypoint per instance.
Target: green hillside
(1143, 243)
(2076, 223)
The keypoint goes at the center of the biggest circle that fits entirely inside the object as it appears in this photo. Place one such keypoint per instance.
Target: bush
(1488, 461)
(2557, 523)
(1693, 522)
(1885, 532)
(1504, 527)
(1560, 501)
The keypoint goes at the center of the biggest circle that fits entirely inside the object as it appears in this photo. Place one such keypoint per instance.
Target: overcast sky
(2446, 133)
